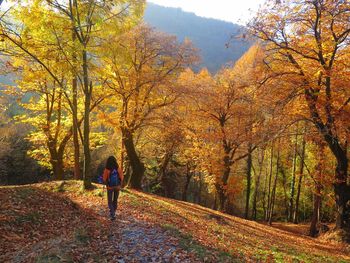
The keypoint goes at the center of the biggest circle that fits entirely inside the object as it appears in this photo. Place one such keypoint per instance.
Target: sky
(236, 11)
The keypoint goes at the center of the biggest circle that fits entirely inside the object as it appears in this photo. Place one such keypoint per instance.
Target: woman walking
(113, 178)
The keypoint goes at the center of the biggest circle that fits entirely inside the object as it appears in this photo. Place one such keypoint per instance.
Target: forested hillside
(219, 42)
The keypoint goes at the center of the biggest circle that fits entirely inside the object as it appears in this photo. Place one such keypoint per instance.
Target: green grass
(56, 255)
(51, 258)
(25, 193)
(188, 243)
(73, 186)
(82, 235)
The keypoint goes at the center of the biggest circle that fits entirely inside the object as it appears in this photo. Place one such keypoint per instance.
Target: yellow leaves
(98, 139)
(141, 72)
(123, 19)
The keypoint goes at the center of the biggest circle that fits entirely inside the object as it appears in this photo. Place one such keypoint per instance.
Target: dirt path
(130, 239)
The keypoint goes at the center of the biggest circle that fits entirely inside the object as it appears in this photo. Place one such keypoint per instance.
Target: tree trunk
(187, 183)
(222, 198)
(127, 173)
(273, 194)
(57, 166)
(199, 197)
(264, 192)
(215, 204)
(86, 133)
(301, 174)
(77, 175)
(163, 174)
(56, 160)
(342, 197)
(137, 166)
(249, 176)
(341, 188)
(284, 181)
(269, 186)
(221, 187)
(257, 184)
(292, 184)
(56, 155)
(124, 163)
(316, 211)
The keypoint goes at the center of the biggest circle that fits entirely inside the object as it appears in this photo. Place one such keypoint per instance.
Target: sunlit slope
(242, 239)
(61, 221)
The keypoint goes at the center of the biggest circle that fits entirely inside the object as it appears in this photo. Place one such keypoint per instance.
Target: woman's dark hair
(111, 163)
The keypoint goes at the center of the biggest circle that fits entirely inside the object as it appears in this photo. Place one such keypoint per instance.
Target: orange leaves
(308, 54)
(226, 113)
(73, 226)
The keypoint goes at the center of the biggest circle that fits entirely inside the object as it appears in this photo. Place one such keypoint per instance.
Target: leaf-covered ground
(58, 222)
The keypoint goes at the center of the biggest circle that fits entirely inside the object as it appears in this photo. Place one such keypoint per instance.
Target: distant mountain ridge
(211, 36)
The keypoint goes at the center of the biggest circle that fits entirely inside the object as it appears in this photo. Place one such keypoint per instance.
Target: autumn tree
(141, 71)
(177, 150)
(251, 72)
(168, 137)
(310, 40)
(47, 112)
(219, 103)
(81, 29)
(87, 19)
(48, 96)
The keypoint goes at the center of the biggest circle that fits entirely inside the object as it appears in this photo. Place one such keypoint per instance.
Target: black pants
(112, 201)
